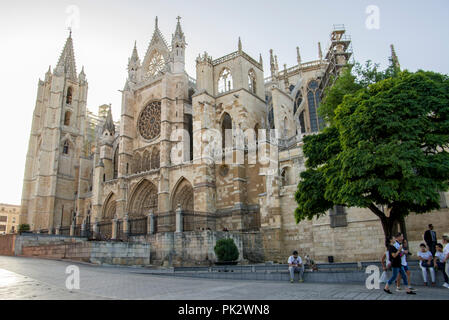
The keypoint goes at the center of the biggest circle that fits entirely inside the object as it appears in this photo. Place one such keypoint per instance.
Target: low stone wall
(187, 248)
(79, 249)
(7, 244)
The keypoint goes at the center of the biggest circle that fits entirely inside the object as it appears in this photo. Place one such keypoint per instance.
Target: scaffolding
(338, 55)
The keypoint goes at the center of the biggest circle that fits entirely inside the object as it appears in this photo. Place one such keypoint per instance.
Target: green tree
(386, 145)
(226, 250)
(24, 227)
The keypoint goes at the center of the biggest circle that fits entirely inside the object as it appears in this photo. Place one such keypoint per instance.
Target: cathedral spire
(109, 123)
(66, 63)
(298, 56)
(240, 45)
(272, 64)
(394, 58)
(178, 32)
(320, 52)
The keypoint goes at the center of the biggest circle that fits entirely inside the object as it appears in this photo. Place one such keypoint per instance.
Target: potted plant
(226, 251)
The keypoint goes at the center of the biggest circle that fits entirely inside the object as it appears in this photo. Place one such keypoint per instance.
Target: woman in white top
(426, 262)
(439, 264)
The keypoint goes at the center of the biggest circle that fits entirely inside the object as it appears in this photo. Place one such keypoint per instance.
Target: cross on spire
(178, 18)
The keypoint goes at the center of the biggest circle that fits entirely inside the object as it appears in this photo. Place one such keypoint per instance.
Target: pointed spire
(240, 45)
(260, 59)
(286, 83)
(82, 75)
(272, 64)
(155, 23)
(109, 123)
(320, 52)
(66, 62)
(134, 55)
(394, 58)
(178, 31)
(298, 56)
(276, 63)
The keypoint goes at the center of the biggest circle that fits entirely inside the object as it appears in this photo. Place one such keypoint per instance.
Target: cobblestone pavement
(32, 278)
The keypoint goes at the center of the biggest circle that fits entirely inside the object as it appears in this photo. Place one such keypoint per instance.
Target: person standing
(439, 264)
(425, 262)
(295, 265)
(400, 241)
(446, 253)
(396, 265)
(430, 238)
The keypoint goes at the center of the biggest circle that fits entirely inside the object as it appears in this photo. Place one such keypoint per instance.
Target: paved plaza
(32, 278)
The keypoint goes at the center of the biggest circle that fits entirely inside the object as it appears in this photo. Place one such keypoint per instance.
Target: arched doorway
(183, 195)
(143, 198)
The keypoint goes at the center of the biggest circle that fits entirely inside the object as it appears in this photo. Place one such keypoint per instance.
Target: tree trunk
(388, 223)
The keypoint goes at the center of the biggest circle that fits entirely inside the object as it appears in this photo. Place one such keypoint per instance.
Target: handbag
(383, 277)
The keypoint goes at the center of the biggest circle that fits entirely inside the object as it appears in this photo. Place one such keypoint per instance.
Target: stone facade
(191, 157)
(9, 218)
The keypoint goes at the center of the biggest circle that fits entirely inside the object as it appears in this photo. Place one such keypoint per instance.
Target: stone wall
(188, 248)
(7, 244)
(99, 252)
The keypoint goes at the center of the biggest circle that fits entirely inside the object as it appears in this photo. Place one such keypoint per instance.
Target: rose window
(149, 123)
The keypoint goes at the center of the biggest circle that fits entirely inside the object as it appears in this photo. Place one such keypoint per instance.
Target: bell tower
(50, 186)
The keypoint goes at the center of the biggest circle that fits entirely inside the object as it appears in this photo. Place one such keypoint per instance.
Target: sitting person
(295, 265)
(439, 264)
(310, 263)
(426, 262)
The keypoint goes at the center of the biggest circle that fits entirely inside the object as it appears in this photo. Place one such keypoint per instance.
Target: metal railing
(104, 230)
(64, 231)
(137, 226)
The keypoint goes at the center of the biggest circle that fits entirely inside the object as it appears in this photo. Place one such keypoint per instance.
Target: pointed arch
(146, 165)
(155, 158)
(144, 197)
(226, 129)
(252, 81)
(109, 208)
(136, 164)
(225, 82)
(69, 95)
(183, 195)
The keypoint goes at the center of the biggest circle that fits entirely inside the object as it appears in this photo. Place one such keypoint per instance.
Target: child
(425, 262)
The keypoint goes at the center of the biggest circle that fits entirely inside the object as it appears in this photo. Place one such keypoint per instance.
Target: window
(3, 218)
(67, 118)
(2, 227)
(69, 96)
(226, 130)
(285, 128)
(443, 203)
(313, 99)
(65, 149)
(301, 122)
(298, 101)
(225, 81)
(337, 217)
(252, 81)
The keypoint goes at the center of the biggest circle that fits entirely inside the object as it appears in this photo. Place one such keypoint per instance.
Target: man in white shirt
(295, 265)
(425, 262)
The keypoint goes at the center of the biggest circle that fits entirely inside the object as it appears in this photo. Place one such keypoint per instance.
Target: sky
(33, 33)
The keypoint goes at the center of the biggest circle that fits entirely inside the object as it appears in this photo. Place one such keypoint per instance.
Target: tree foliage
(386, 144)
(226, 250)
